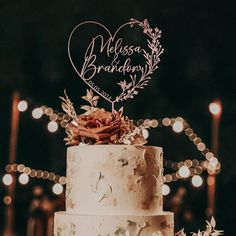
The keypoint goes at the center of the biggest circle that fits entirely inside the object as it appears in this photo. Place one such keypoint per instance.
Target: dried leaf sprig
(93, 100)
(97, 126)
(67, 106)
(152, 60)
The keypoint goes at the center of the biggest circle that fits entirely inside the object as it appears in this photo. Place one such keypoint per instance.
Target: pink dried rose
(99, 127)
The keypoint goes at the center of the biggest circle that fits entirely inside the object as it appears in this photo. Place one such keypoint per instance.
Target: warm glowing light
(22, 106)
(188, 163)
(147, 122)
(166, 121)
(165, 189)
(27, 170)
(145, 133)
(201, 147)
(51, 176)
(212, 165)
(23, 178)
(154, 123)
(53, 117)
(184, 172)
(45, 174)
(198, 170)
(178, 126)
(33, 173)
(197, 181)
(213, 162)
(52, 126)
(48, 111)
(57, 189)
(215, 108)
(188, 131)
(180, 119)
(211, 180)
(8, 168)
(21, 168)
(168, 178)
(37, 113)
(7, 179)
(39, 174)
(7, 200)
(62, 180)
(37, 190)
(209, 155)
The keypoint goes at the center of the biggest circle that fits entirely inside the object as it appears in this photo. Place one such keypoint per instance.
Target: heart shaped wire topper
(131, 78)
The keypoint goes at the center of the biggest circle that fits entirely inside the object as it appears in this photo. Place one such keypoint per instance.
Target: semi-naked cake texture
(87, 225)
(112, 190)
(114, 180)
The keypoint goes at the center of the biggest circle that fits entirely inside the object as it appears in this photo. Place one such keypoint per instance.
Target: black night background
(198, 66)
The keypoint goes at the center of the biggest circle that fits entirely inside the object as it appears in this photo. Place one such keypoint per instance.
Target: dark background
(198, 66)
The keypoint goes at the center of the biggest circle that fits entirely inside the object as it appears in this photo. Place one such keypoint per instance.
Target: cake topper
(129, 77)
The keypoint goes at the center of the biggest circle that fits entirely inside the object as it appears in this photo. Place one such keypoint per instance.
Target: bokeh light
(215, 108)
(23, 178)
(7, 179)
(57, 189)
(209, 155)
(22, 106)
(197, 181)
(7, 200)
(184, 172)
(52, 126)
(62, 180)
(178, 126)
(166, 121)
(165, 189)
(37, 113)
(211, 180)
(213, 162)
(201, 146)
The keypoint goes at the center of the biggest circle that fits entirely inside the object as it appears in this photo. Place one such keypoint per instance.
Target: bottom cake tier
(92, 225)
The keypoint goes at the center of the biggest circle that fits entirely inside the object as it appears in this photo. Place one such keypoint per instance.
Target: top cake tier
(114, 179)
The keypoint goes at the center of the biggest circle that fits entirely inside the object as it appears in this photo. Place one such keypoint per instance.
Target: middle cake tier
(114, 179)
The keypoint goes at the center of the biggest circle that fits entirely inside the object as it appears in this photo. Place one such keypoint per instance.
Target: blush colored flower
(99, 127)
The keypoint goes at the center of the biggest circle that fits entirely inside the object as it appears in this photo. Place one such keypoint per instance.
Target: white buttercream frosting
(84, 225)
(114, 180)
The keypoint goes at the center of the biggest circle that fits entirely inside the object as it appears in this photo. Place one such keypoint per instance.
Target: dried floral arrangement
(210, 230)
(97, 126)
